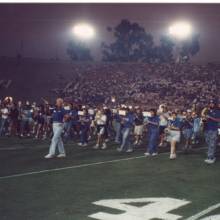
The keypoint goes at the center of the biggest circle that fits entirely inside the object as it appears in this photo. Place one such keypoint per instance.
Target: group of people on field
(128, 126)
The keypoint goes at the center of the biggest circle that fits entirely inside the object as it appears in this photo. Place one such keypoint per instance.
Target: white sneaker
(172, 156)
(129, 151)
(210, 161)
(147, 154)
(104, 146)
(49, 156)
(61, 155)
(80, 144)
(119, 149)
(96, 146)
(154, 154)
(161, 145)
(136, 142)
(85, 145)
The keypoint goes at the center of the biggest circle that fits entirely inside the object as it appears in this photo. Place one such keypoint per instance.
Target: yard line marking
(204, 212)
(79, 166)
(70, 167)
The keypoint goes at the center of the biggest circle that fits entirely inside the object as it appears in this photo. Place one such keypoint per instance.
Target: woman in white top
(100, 121)
(162, 112)
(4, 117)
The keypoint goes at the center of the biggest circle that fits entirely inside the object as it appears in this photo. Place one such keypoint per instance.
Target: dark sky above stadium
(43, 30)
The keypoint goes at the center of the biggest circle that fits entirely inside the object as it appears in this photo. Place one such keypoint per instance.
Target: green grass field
(69, 193)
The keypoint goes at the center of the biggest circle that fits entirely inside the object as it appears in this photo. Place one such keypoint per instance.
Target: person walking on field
(58, 118)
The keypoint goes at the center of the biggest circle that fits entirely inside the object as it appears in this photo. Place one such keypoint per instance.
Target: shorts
(138, 129)
(173, 136)
(162, 130)
(100, 129)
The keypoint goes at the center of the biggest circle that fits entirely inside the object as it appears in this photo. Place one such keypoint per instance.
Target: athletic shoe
(104, 146)
(80, 144)
(129, 151)
(210, 161)
(49, 156)
(119, 149)
(154, 154)
(61, 155)
(85, 145)
(172, 156)
(96, 146)
(147, 154)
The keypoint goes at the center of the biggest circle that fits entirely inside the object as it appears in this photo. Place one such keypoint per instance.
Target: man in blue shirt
(117, 126)
(153, 133)
(58, 118)
(211, 130)
(127, 124)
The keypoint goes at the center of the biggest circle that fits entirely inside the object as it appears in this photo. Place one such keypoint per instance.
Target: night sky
(43, 30)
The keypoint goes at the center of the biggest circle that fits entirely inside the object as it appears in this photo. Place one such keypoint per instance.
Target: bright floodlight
(84, 31)
(180, 30)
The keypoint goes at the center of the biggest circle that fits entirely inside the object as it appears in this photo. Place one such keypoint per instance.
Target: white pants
(57, 139)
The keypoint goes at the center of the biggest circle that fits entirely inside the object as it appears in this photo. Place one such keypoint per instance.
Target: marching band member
(127, 125)
(58, 118)
(173, 130)
(153, 133)
(100, 121)
(212, 119)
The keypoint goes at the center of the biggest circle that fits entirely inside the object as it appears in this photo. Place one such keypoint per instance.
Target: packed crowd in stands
(126, 125)
(145, 85)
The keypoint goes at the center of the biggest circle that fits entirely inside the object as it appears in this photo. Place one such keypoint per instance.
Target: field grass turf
(69, 194)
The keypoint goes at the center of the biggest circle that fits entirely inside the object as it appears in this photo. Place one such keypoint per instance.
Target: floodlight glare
(83, 31)
(180, 30)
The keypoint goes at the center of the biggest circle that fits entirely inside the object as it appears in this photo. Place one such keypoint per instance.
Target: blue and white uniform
(174, 135)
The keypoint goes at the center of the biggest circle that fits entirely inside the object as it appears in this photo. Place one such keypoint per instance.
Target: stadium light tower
(180, 31)
(83, 31)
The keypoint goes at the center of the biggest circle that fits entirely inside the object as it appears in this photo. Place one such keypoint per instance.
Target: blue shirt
(58, 115)
(176, 123)
(128, 120)
(154, 119)
(210, 124)
(117, 117)
(74, 115)
(187, 123)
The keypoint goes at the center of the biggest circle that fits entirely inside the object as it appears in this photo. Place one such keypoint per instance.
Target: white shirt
(101, 119)
(163, 120)
(4, 113)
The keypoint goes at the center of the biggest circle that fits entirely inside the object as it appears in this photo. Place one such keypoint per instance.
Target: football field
(104, 184)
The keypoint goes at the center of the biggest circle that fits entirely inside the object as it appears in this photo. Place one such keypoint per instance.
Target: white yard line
(77, 166)
(204, 212)
(70, 167)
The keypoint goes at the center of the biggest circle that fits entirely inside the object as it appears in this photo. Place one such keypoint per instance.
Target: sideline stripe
(204, 212)
(79, 166)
